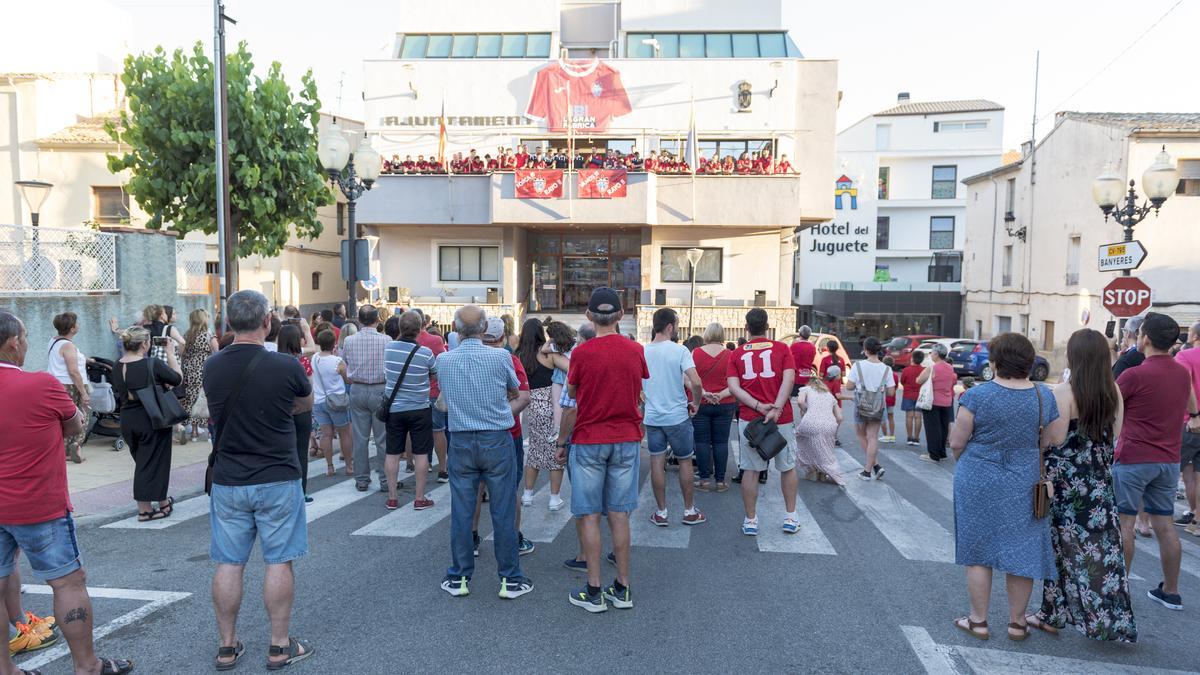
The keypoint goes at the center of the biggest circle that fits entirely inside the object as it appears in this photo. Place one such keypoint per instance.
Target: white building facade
(1032, 246)
(732, 67)
(890, 261)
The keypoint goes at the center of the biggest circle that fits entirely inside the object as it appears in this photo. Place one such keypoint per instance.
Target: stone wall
(782, 320)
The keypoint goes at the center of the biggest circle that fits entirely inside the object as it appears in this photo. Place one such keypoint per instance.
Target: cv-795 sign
(1125, 255)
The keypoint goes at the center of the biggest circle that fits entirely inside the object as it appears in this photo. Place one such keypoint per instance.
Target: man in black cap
(605, 378)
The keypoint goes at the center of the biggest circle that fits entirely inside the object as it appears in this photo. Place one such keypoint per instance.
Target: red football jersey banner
(601, 183)
(538, 183)
(587, 93)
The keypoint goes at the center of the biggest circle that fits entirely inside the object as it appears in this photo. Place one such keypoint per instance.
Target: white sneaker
(527, 498)
(556, 502)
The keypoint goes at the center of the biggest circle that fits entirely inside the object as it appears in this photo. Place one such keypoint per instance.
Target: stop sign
(1126, 296)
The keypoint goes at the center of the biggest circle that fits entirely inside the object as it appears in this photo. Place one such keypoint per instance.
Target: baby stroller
(105, 424)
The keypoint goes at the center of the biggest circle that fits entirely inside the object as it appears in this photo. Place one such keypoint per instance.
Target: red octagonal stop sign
(1126, 296)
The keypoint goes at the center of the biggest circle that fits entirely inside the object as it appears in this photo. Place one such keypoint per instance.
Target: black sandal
(147, 516)
(293, 645)
(115, 666)
(168, 507)
(226, 652)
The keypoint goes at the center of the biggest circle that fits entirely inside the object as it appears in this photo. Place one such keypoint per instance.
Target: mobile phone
(158, 341)
(292, 320)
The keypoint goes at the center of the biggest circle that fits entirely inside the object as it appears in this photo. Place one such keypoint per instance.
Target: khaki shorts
(749, 460)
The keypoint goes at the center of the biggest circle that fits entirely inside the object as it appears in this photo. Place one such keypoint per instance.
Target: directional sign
(1126, 296)
(1125, 255)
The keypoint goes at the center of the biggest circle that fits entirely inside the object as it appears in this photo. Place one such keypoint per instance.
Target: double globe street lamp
(1159, 181)
(353, 171)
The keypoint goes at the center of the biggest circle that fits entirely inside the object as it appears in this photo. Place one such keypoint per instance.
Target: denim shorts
(1189, 450)
(908, 404)
(272, 511)
(50, 547)
(604, 477)
(439, 416)
(749, 459)
(1145, 487)
(679, 436)
(325, 417)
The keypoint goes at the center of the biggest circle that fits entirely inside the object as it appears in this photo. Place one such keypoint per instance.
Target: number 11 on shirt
(768, 370)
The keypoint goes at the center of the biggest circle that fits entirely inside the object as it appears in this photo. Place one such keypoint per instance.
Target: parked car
(901, 348)
(970, 358)
(950, 343)
(820, 340)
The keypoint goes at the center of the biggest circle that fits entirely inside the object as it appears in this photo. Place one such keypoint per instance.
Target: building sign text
(839, 230)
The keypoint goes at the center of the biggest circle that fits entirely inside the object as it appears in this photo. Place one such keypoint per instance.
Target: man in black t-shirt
(256, 487)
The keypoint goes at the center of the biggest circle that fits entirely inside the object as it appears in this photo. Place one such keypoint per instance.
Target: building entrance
(567, 266)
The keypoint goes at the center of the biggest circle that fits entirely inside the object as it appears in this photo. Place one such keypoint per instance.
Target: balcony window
(468, 263)
(772, 45)
(1189, 178)
(488, 46)
(883, 228)
(718, 46)
(475, 45)
(512, 45)
(745, 45)
(316, 281)
(537, 45)
(710, 45)
(414, 46)
(941, 232)
(676, 268)
(691, 46)
(945, 182)
(668, 44)
(110, 205)
(885, 174)
(440, 47)
(1006, 266)
(946, 268)
(464, 46)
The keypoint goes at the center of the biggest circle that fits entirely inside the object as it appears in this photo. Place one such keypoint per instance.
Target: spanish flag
(441, 156)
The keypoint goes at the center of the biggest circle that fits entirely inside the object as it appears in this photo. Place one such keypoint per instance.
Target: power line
(1108, 65)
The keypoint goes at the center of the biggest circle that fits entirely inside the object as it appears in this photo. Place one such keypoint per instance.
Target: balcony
(651, 199)
(954, 286)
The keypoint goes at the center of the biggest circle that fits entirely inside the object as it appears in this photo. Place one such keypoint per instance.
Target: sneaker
(42, 623)
(362, 485)
(30, 639)
(422, 504)
(1193, 529)
(659, 520)
(738, 477)
(620, 600)
(762, 477)
(611, 558)
(392, 504)
(308, 499)
(383, 487)
(790, 526)
(592, 603)
(864, 475)
(409, 468)
(456, 586)
(879, 471)
(443, 477)
(927, 458)
(750, 527)
(694, 518)
(890, 439)
(527, 498)
(911, 443)
(556, 502)
(515, 588)
(524, 546)
(1186, 519)
(483, 498)
(1168, 600)
(577, 565)
(475, 542)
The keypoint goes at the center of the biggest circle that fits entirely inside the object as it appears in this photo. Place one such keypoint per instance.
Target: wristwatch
(1195, 414)
(561, 445)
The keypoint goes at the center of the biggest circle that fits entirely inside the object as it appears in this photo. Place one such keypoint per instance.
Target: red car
(901, 348)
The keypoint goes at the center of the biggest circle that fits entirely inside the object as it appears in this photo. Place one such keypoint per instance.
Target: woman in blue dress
(997, 439)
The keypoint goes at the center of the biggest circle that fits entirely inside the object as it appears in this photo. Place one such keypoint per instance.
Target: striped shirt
(414, 391)
(475, 381)
(363, 354)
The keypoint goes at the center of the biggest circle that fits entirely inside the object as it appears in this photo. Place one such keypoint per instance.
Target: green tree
(275, 176)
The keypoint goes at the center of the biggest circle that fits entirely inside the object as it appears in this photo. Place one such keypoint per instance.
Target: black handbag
(230, 408)
(162, 407)
(765, 438)
(384, 410)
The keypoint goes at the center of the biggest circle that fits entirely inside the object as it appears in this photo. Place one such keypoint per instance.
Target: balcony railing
(56, 261)
(890, 286)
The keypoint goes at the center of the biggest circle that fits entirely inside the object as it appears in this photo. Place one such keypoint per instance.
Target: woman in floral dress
(1092, 590)
(199, 344)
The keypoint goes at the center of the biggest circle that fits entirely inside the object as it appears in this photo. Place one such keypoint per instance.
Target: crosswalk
(905, 526)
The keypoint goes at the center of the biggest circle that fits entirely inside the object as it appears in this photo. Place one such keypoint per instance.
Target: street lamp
(353, 171)
(693, 255)
(1159, 181)
(35, 193)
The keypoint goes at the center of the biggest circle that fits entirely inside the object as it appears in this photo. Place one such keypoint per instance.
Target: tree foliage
(275, 178)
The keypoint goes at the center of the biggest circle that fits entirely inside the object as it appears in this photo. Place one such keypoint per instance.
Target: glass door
(580, 276)
(545, 281)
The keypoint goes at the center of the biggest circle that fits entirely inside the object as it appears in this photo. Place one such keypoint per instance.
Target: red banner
(601, 183)
(538, 183)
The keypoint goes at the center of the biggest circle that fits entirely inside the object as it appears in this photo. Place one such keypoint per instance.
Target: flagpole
(694, 141)
(446, 165)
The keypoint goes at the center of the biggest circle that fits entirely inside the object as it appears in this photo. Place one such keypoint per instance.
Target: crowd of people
(1111, 447)
(757, 162)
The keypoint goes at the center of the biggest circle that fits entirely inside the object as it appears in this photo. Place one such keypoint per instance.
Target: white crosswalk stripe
(915, 535)
(408, 522)
(937, 475)
(182, 512)
(771, 512)
(539, 523)
(644, 533)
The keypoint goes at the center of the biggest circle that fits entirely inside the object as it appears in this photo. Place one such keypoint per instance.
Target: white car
(950, 343)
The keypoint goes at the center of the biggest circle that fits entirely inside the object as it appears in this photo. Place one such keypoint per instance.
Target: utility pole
(226, 237)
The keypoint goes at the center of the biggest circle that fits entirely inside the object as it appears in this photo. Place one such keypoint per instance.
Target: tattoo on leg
(77, 614)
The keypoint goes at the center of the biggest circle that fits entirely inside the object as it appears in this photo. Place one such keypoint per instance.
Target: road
(869, 585)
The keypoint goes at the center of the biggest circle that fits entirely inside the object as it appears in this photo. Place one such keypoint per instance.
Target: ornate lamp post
(693, 255)
(1159, 181)
(353, 171)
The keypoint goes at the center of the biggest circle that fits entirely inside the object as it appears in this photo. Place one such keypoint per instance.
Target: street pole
(226, 238)
(691, 303)
(352, 236)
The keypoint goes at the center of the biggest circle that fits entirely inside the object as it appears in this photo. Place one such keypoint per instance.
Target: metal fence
(49, 260)
(191, 275)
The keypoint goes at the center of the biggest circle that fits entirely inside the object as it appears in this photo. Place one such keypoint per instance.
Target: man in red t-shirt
(804, 354)
(760, 375)
(35, 507)
(605, 379)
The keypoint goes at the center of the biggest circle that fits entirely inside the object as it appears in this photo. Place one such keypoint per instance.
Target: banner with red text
(601, 183)
(538, 183)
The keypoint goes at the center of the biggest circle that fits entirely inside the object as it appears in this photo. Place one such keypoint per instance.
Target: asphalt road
(869, 585)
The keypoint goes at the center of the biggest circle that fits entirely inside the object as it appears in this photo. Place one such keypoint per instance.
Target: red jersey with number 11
(759, 366)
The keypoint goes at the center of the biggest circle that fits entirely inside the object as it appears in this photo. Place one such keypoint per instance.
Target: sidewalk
(104, 482)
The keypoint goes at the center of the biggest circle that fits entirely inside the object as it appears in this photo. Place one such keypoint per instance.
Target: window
(1010, 197)
(945, 127)
(884, 181)
(1073, 247)
(439, 47)
(668, 44)
(883, 137)
(978, 329)
(718, 46)
(745, 45)
(1023, 326)
(883, 227)
(110, 205)
(941, 232)
(512, 45)
(537, 45)
(726, 147)
(468, 263)
(464, 46)
(1003, 324)
(771, 45)
(414, 46)
(341, 219)
(316, 281)
(710, 45)
(475, 46)
(675, 267)
(1006, 266)
(945, 182)
(691, 46)
(1047, 336)
(488, 46)
(1189, 178)
(212, 267)
(946, 268)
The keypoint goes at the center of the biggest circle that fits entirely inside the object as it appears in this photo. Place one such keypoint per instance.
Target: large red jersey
(759, 365)
(595, 92)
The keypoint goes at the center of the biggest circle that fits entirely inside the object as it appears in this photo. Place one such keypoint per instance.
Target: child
(816, 432)
(562, 341)
(888, 428)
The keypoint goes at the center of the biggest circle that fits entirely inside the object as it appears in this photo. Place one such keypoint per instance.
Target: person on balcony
(422, 164)
(636, 163)
(743, 164)
(490, 163)
(457, 165)
(727, 165)
(474, 163)
(409, 165)
(522, 157)
(509, 161)
(784, 166)
(560, 159)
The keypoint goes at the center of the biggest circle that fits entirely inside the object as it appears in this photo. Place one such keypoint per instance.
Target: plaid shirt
(475, 380)
(363, 353)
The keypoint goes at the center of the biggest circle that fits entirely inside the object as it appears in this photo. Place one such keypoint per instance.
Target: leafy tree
(275, 176)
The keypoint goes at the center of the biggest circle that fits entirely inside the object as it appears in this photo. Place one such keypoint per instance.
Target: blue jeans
(486, 456)
(711, 428)
(274, 512)
(50, 547)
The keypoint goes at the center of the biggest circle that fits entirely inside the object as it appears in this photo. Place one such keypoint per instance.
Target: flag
(441, 156)
(691, 153)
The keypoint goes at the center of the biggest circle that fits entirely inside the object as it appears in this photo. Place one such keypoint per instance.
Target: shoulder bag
(869, 404)
(162, 407)
(384, 410)
(925, 396)
(1043, 491)
(230, 409)
(334, 402)
(765, 438)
